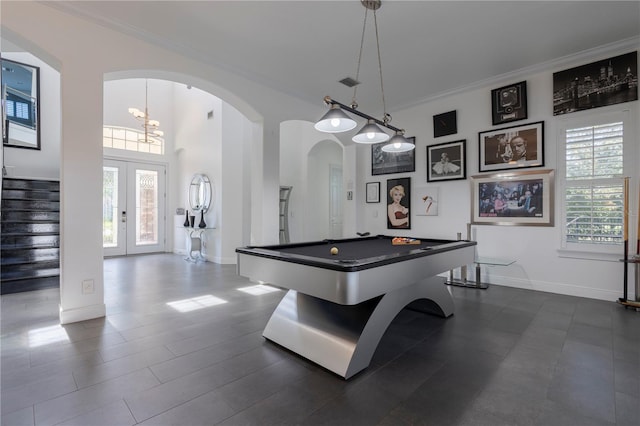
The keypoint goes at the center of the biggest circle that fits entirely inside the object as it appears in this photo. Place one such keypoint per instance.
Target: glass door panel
(146, 229)
(114, 206)
(146, 207)
(110, 207)
(133, 208)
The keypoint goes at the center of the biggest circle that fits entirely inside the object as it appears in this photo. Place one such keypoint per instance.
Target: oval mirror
(200, 193)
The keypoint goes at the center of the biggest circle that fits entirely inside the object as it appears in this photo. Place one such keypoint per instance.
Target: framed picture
(21, 105)
(445, 124)
(373, 192)
(509, 103)
(386, 163)
(523, 198)
(607, 82)
(512, 147)
(399, 203)
(425, 200)
(446, 161)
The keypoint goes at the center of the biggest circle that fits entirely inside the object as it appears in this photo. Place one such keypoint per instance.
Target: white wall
(43, 163)
(234, 181)
(539, 264)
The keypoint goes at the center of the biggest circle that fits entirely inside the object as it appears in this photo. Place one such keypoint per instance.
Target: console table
(463, 282)
(194, 243)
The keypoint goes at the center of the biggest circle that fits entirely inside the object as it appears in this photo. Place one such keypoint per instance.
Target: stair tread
(9, 279)
(29, 258)
(33, 221)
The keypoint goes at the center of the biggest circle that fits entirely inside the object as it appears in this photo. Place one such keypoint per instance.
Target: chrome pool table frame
(336, 318)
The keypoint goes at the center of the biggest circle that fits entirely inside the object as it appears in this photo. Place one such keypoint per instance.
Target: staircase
(30, 237)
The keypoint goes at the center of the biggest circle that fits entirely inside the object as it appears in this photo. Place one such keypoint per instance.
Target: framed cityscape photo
(509, 103)
(607, 82)
(446, 161)
(512, 147)
(386, 163)
(523, 198)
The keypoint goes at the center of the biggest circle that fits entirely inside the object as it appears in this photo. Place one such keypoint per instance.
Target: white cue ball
(334, 250)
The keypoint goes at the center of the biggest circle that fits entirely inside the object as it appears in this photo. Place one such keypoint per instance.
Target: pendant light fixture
(398, 143)
(151, 132)
(336, 120)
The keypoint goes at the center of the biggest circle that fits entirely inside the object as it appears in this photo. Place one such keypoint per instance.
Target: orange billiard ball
(334, 250)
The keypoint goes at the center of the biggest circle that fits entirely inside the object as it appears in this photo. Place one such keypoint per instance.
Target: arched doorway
(312, 164)
(196, 141)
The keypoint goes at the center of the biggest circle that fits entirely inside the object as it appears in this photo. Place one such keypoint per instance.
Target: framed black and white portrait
(446, 161)
(512, 147)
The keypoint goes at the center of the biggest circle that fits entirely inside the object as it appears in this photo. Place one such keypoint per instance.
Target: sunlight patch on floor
(257, 290)
(47, 335)
(195, 303)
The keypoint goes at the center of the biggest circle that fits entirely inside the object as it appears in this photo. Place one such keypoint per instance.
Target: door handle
(124, 216)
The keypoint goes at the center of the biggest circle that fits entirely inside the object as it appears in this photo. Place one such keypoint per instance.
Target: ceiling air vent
(349, 82)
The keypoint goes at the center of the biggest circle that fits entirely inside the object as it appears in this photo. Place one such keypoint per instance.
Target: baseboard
(555, 287)
(222, 260)
(69, 316)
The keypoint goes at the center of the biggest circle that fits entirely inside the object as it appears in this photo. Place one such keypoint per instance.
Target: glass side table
(464, 282)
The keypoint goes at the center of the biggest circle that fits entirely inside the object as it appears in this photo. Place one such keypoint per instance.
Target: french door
(133, 206)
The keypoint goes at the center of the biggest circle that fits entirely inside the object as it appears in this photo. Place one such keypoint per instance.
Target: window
(131, 140)
(22, 110)
(592, 156)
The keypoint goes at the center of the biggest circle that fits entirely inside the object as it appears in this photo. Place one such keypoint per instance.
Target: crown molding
(575, 59)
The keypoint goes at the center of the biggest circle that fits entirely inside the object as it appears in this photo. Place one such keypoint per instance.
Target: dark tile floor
(507, 357)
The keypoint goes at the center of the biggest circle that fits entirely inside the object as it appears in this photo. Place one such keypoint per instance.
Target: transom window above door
(131, 140)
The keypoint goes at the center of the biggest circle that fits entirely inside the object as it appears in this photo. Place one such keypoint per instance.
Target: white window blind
(594, 190)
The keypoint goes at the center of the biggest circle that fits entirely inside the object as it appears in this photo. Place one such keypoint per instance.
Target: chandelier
(337, 121)
(152, 134)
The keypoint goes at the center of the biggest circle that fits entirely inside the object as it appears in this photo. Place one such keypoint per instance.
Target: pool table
(338, 306)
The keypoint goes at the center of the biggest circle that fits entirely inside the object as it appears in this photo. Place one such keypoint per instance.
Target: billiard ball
(334, 250)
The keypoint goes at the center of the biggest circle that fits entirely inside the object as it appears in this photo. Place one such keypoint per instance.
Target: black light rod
(363, 115)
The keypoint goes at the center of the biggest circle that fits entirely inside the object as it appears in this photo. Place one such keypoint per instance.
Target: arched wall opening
(203, 134)
(308, 160)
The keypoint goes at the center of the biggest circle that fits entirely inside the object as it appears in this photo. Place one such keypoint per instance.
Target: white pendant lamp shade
(398, 143)
(370, 133)
(335, 121)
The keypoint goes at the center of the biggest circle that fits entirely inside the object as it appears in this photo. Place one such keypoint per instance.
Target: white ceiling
(427, 48)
